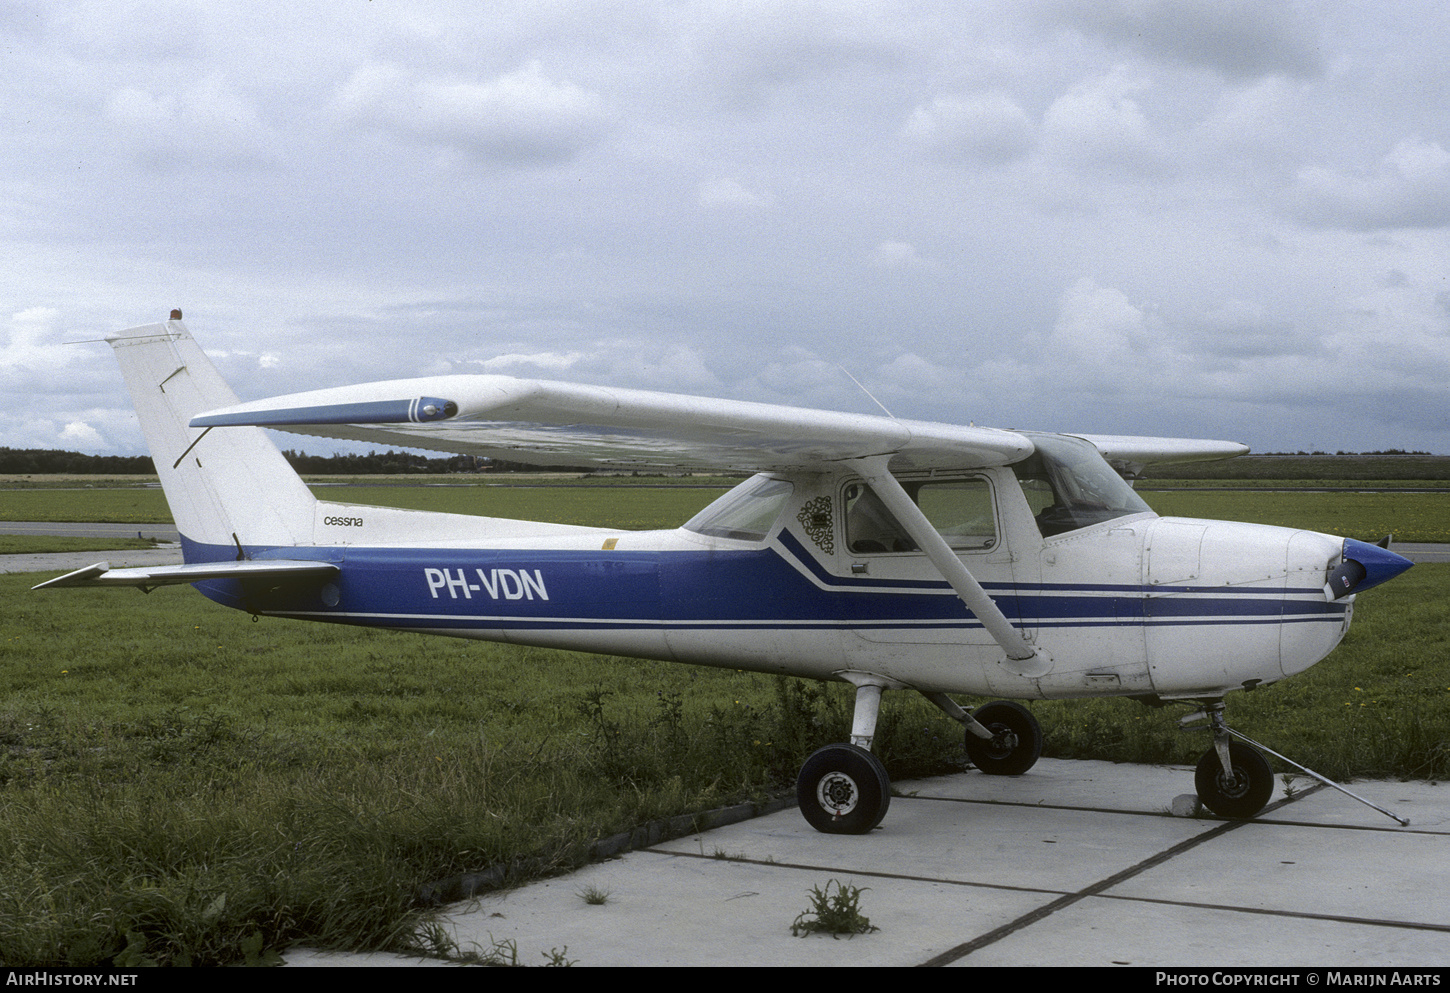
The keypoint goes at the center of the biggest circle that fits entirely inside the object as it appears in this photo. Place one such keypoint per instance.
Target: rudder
(228, 488)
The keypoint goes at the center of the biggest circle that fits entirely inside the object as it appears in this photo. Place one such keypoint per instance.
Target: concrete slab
(1075, 863)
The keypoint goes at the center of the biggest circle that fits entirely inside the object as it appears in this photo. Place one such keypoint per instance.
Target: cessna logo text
(508, 584)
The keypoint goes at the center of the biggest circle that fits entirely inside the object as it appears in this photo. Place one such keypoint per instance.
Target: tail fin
(228, 488)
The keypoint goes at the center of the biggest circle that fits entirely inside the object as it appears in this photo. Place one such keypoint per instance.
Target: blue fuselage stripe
(750, 589)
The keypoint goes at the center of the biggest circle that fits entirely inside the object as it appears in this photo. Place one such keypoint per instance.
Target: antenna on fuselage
(865, 390)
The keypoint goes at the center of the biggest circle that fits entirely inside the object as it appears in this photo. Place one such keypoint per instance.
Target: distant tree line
(1390, 464)
(35, 461)
(25, 461)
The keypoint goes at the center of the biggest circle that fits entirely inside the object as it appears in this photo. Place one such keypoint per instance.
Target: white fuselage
(1138, 605)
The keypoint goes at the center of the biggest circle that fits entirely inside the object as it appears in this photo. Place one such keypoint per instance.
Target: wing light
(417, 410)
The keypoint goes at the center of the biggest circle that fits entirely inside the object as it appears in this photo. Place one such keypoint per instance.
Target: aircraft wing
(552, 423)
(148, 577)
(1129, 454)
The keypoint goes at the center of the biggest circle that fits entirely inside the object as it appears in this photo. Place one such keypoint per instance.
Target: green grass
(180, 784)
(177, 780)
(1317, 467)
(634, 508)
(1368, 516)
(25, 544)
(833, 913)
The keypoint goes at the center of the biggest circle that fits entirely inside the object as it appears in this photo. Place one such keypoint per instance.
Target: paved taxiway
(1076, 863)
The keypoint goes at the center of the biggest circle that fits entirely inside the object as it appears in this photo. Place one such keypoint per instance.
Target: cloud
(78, 434)
(753, 48)
(1097, 325)
(208, 124)
(986, 127)
(727, 192)
(551, 361)
(521, 118)
(1238, 39)
(897, 255)
(29, 343)
(670, 367)
(1098, 123)
(1408, 188)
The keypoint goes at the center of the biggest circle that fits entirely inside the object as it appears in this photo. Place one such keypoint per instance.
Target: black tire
(843, 789)
(1242, 795)
(1017, 741)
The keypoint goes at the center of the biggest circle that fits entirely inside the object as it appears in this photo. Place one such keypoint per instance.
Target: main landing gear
(844, 789)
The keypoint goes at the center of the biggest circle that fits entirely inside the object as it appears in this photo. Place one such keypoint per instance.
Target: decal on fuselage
(509, 584)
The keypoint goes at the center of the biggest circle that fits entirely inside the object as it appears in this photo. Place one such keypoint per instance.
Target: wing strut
(1022, 658)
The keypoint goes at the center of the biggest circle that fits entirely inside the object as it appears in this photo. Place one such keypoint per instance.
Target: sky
(1196, 218)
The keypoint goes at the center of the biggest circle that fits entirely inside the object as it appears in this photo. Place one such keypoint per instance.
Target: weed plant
(835, 913)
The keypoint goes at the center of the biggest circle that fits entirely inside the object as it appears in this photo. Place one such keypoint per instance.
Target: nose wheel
(1240, 791)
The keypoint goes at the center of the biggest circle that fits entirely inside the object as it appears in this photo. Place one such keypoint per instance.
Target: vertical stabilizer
(229, 489)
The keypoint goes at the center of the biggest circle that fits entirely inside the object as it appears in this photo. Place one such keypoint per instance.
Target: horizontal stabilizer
(147, 577)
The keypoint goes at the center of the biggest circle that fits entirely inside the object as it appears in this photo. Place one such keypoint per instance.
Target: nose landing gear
(1234, 780)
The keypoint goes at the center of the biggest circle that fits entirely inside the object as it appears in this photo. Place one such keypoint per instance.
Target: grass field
(1367, 516)
(182, 785)
(179, 784)
(24, 544)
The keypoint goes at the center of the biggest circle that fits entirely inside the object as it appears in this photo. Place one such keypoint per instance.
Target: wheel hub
(1235, 786)
(838, 793)
(1003, 742)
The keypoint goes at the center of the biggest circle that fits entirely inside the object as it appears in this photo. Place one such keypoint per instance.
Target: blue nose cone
(1380, 564)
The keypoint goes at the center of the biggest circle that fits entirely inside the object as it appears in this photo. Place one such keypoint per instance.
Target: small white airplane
(886, 553)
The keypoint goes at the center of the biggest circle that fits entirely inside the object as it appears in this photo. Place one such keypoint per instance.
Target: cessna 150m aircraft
(886, 553)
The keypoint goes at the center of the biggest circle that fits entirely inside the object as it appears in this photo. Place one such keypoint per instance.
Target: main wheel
(843, 789)
(1245, 792)
(1016, 739)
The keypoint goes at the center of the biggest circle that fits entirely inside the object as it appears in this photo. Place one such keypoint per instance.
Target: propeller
(1363, 566)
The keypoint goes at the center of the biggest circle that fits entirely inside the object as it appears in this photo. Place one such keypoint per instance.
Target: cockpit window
(960, 509)
(746, 513)
(1069, 485)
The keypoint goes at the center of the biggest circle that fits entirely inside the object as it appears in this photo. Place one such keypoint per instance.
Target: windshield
(746, 513)
(1069, 485)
